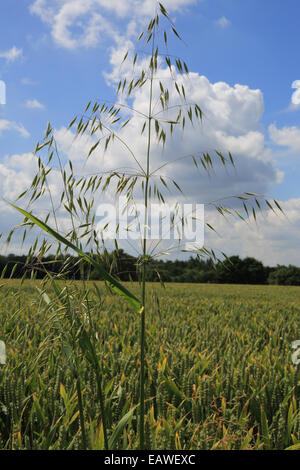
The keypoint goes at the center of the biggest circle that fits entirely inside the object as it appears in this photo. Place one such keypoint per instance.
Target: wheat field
(219, 373)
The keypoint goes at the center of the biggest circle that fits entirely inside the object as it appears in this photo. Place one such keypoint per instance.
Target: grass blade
(115, 285)
(120, 426)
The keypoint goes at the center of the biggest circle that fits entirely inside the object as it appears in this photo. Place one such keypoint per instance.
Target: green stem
(143, 312)
(102, 407)
(81, 415)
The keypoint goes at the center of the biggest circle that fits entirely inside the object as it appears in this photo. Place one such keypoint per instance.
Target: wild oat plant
(103, 122)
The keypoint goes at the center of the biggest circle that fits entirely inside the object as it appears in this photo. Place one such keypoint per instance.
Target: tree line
(233, 270)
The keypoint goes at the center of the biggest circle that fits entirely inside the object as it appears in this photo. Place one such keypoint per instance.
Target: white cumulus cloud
(34, 104)
(11, 54)
(231, 122)
(295, 100)
(273, 240)
(94, 19)
(6, 125)
(223, 22)
(286, 137)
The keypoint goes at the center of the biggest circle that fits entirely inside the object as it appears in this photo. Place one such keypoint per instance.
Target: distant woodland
(233, 270)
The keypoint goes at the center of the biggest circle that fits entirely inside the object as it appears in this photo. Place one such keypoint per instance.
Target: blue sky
(56, 55)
